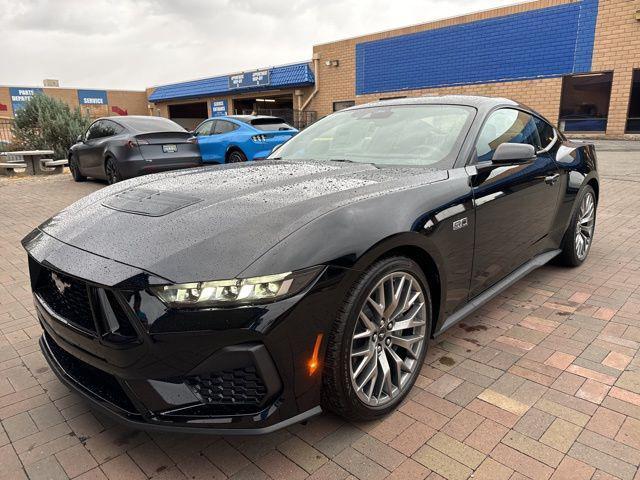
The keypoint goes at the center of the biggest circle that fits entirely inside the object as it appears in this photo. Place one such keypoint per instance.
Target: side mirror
(514, 153)
(80, 139)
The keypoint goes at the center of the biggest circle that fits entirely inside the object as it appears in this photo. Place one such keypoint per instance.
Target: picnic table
(34, 162)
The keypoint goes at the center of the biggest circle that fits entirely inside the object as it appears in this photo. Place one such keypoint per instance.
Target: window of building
(343, 104)
(584, 106)
(633, 122)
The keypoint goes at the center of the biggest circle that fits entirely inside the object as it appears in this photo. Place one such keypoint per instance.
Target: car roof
(125, 121)
(249, 118)
(468, 100)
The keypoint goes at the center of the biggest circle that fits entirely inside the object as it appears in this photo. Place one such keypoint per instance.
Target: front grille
(67, 297)
(241, 387)
(99, 383)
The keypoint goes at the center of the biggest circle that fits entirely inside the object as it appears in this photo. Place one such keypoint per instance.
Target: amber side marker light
(313, 363)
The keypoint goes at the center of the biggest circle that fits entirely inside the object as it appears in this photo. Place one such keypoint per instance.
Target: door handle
(551, 179)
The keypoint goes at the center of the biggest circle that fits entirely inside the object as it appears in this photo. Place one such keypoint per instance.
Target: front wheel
(111, 171)
(379, 340)
(579, 236)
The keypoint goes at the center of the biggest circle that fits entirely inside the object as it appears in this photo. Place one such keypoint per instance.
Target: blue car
(238, 138)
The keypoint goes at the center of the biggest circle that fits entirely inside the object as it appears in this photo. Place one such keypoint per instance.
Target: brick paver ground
(544, 382)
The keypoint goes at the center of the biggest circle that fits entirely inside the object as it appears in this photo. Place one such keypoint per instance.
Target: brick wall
(134, 102)
(615, 46)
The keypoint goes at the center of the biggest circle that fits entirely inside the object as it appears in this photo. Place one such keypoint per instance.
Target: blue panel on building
(92, 97)
(21, 95)
(539, 43)
(219, 108)
(296, 75)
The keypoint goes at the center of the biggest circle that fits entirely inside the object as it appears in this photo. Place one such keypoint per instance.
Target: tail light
(259, 138)
(136, 142)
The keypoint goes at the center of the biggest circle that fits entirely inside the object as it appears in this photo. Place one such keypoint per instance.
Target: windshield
(421, 135)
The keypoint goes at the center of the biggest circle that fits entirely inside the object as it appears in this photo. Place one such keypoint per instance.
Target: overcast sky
(133, 44)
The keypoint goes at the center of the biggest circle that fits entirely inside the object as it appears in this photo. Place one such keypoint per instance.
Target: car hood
(212, 222)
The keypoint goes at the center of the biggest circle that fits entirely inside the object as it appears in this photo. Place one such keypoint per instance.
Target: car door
(85, 150)
(206, 140)
(515, 204)
(218, 142)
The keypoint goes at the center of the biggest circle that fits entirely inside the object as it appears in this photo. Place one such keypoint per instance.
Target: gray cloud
(135, 44)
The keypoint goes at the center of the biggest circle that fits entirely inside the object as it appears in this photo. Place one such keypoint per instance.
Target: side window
(109, 129)
(222, 126)
(546, 133)
(506, 126)
(204, 128)
(94, 131)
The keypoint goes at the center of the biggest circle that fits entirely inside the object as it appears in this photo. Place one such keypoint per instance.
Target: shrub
(48, 123)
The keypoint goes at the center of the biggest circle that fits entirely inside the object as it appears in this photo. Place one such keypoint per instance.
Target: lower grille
(241, 386)
(96, 381)
(67, 297)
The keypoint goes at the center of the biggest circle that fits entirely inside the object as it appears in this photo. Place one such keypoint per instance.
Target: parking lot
(543, 382)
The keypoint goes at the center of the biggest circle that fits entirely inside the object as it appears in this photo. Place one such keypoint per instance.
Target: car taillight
(259, 138)
(136, 142)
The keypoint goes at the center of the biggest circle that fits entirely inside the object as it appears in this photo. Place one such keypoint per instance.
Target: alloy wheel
(388, 339)
(585, 226)
(112, 172)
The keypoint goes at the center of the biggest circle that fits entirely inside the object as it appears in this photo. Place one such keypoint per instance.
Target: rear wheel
(579, 236)
(379, 340)
(111, 171)
(74, 168)
(236, 156)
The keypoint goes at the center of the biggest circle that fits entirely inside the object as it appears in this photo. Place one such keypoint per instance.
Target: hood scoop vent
(151, 203)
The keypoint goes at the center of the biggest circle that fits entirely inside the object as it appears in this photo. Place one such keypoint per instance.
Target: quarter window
(222, 126)
(204, 128)
(546, 133)
(506, 126)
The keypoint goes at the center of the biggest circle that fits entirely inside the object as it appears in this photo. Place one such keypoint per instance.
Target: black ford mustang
(246, 297)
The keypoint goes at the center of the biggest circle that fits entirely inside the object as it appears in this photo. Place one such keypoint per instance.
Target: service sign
(258, 78)
(218, 108)
(21, 95)
(92, 97)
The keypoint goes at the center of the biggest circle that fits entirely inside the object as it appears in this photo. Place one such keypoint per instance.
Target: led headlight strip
(237, 291)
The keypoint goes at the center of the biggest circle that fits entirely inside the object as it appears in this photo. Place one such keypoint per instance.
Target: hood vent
(151, 203)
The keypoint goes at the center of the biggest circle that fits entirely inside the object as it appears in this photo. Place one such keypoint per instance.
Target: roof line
(208, 77)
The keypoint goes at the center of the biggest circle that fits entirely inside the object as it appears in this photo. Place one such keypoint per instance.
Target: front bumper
(228, 371)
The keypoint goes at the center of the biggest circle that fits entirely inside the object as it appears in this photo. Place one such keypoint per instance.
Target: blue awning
(296, 75)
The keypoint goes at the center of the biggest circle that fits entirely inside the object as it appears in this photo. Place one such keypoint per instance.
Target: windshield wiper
(342, 160)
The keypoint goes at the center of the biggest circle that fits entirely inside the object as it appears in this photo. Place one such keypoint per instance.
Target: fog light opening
(313, 364)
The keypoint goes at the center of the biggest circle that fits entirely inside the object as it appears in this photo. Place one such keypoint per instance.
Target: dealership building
(95, 103)
(575, 61)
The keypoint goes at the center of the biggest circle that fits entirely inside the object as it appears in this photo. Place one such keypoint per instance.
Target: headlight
(238, 291)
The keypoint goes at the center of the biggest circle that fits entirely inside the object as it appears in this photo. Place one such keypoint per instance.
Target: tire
(74, 168)
(111, 171)
(236, 156)
(344, 372)
(578, 238)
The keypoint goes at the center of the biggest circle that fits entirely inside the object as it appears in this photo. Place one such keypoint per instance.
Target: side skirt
(493, 291)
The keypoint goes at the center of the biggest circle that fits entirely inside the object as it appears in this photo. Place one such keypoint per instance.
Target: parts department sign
(257, 78)
(21, 95)
(92, 97)
(218, 108)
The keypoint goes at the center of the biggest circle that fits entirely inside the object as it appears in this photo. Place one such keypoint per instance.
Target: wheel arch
(415, 247)
(231, 148)
(593, 183)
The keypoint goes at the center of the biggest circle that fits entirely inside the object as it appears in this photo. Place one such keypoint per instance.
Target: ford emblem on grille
(61, 285)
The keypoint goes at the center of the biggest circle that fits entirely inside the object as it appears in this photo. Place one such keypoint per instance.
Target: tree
(48, 123)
